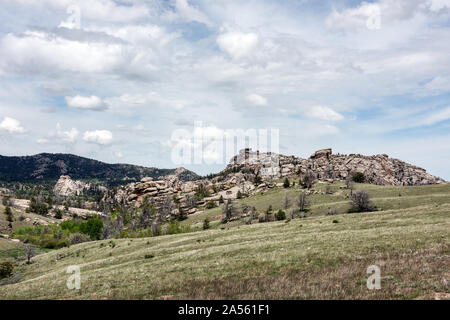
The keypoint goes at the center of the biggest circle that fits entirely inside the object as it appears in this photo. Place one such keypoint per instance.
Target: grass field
(318, 257)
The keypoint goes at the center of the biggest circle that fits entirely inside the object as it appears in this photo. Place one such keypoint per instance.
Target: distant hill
(47, 168)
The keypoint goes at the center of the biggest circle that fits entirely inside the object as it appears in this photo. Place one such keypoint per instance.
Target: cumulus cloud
(257, 100)
(100, 137)
(324, 113)
(237, 44)
(86, 103)
(39, 52)
(11, 125)
(61, 136)
(128, 102)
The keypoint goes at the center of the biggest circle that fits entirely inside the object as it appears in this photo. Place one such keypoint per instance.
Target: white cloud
(101, 137)
(437, 5)
(257, 100)
(366, 15)
(436, 117)
(86, 103)
(127, 102)
(99, 10)
(60, 136)
(39, 52)
(189, 13)
(237, 44)
(11, 125)
(324, 113)
(438, 85)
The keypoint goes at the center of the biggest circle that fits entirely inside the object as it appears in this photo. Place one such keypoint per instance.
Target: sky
(114, 80)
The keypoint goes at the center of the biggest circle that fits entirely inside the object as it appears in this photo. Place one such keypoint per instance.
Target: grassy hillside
(384, 197)
(323, 257)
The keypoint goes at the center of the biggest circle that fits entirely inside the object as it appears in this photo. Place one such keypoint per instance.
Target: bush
(286, 183)
(149, 256)
(9, 214)
(205, 224)
(38, 207)
(6, 269)
(201, 192)
(58, 214)
(93, 227)
(359, 177)
(210, 205)
(281, 215)
(221, 199)
(361, 202)
(77, 238)
(239, 194)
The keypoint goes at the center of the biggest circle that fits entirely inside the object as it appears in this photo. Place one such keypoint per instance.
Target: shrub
(261, 218)
(281, 215)
(58, 214)
(174, 227)
(221, 199)
(269, 214)
(6, 269)
(308, 179)
(210, 205)
(93, 227)
(360, 202)
(239, 194)
(9, 214)
(359, 177)
(77, 238)
(286, 183)
(258, 180)
(201, 192)
(335, 221)
(149, 256)
(205, 224)
(38, 207)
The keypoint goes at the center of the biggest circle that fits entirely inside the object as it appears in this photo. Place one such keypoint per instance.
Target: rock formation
(378, 169)
(68, 187)
(253, 172)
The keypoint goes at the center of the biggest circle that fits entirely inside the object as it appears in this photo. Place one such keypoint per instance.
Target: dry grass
(311, 258)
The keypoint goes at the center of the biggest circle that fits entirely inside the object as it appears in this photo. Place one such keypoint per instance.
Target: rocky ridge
(253, 172)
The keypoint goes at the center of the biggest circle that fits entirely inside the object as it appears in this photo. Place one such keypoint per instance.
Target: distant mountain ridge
(47, 168)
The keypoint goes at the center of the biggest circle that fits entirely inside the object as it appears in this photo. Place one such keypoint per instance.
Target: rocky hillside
(47, 168)
(253, 172)
(378, 169)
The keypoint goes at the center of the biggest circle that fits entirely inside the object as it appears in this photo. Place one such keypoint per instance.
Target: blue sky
(361, 77)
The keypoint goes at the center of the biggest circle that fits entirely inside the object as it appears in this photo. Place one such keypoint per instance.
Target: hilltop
(47, 168)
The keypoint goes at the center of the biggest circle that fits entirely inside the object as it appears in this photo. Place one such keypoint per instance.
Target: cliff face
(68, 187)
(378, 169)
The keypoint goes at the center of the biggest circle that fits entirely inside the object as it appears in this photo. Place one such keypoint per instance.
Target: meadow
(316, 257)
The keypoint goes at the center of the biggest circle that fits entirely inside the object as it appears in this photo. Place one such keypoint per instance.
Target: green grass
(313, 257)
(384, 197)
